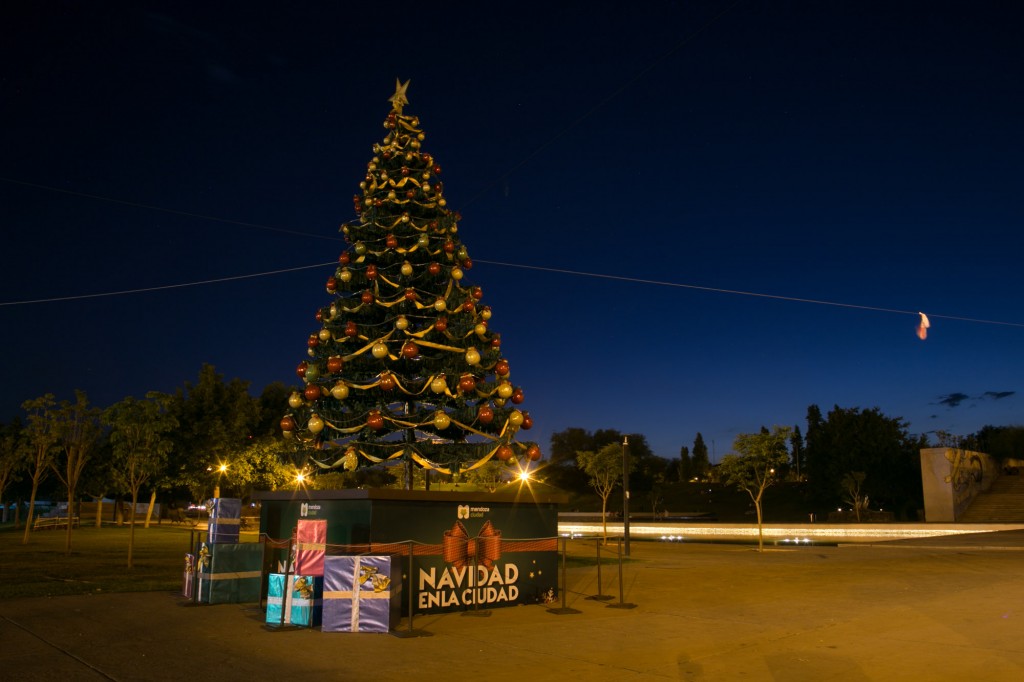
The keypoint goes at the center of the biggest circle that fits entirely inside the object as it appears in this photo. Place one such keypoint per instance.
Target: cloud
(953, 399)
(998, 395)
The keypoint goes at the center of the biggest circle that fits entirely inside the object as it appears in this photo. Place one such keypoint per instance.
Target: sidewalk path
(911, 610)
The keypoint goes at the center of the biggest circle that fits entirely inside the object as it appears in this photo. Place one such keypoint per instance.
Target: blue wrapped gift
(307, 600)
(279, 598)
(230, 573)
(360, 594)
(225, 519)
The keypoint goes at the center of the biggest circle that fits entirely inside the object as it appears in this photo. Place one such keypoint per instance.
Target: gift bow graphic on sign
(458, 549)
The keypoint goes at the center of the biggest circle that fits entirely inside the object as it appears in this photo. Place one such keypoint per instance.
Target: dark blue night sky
(814, 174)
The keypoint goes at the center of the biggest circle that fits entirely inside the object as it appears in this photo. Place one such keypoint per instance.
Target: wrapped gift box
(310, 546)
(225, 519)
(230, 573)
(190, 572)
(279, 598)
(295, 600)
(361, 594)
(307, 600)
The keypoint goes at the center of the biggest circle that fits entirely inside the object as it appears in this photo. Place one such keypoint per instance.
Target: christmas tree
(406, 367)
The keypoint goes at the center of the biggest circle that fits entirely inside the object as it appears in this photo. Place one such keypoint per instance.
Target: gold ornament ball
(406, 268)
(440, 305)
(505, 390)
(441, 421)
(315, 424)
(515, 418)
(486, 313)
(480, 329)
(295, 400)
(339, 391)
(324, 335)
(456, 273)
(401, 324)
(439, 385)
(473, 357)
(379, 350)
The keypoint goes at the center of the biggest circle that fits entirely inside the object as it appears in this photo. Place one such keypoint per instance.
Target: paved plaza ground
(932, 609)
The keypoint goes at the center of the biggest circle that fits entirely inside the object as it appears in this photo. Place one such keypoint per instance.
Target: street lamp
(220, 472)
(625, 492)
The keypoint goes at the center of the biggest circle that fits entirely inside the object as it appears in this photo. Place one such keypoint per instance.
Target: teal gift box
(294, 600)
(307, 602)
(230, 573)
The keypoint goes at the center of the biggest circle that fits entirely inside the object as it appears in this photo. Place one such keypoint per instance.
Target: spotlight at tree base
(524, 476)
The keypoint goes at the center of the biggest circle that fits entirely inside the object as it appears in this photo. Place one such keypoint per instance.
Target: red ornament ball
(410, 295)
(375, 421)
(527, 421)
(504, 453)
(410, 350)
(301, 369)
(501, 367)
(485, 414)
(312, 392)
(367, 297)
(388, 382)
(533, 453)
(434, 268)
(391, 241)
(332, 285)
(478, 293)
(371, 271)
(334, 364)
(350, 330)
(467, 383)
(344, 258)
(517, 395)
(441, 324)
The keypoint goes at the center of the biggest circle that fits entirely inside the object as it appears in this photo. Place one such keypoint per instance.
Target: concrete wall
(952, 478)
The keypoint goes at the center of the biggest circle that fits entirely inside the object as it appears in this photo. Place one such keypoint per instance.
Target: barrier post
(408, 585)
(621, 604)
(564, 610)
(599, 596)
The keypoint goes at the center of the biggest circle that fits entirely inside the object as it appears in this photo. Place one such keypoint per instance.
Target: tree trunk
(31, 511)
(71, 515)
(152, 503)
(131, 529)
(760, 525)
(604, 518)
(99, 511)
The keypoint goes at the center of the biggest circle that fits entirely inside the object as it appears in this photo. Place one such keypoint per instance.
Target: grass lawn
(98, 561)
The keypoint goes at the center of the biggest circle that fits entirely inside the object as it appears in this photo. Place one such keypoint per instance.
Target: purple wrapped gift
(225, 519)
(360, 594)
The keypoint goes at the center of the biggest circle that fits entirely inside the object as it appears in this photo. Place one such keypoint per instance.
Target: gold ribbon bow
(380, 582)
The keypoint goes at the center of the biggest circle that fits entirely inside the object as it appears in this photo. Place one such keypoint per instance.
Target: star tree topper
(399, 100)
